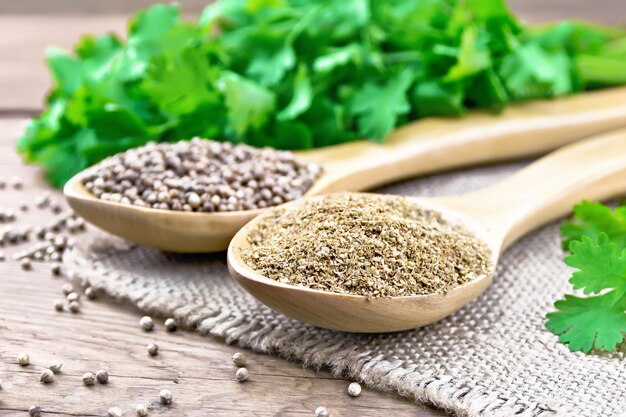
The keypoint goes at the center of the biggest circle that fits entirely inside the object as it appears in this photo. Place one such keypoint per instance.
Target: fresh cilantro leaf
(249, 104)
(600, 264)
(296, 74)
(301, 99)
(473, 56)
(592, 219)
(597, 322)
(377, 107)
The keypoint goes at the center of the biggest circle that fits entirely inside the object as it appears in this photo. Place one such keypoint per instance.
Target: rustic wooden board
(196, 369)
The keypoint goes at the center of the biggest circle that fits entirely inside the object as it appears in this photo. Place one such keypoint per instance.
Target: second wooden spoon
(594, 169)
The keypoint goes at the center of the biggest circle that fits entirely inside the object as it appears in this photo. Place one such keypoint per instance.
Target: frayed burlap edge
(325, 353)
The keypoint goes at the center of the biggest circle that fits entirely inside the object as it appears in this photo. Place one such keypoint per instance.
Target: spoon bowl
(497, 215)
(422, 147)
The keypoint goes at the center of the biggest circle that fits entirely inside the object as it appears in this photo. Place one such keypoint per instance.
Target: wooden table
(197, 370)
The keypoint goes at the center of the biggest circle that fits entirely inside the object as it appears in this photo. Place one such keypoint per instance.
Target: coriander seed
(47, 376)
(354, 389)
(67, 289)
(17, 183)
(89, 378)
(241, 374)
(114, 412)
(146, 323)
(58, 305)
(322, 412)
(23, 359)
(153, 349)
(55, 269)
(34, 411)
(72, 297)
(141, 410)
(74, 307)
(26, 265)
(239, 359)
(55, 367)
(102, 376)
(165, 396)
(170, 325)
(2, 256)
(90, 293)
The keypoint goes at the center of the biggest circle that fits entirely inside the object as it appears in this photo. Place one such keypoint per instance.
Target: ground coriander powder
(365, 244)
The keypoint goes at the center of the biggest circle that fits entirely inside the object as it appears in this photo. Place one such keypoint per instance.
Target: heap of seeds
(201, 175)
(369, 245)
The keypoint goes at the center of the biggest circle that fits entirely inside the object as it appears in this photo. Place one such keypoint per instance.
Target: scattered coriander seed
(55, 367)
(34, 411)
(322, 412)
(47, 376)
(354, 389)
(3, 184)
(102, 376)
(17, 183)
(239, 359)
(55, 269)
(56, 208)
(146, 323)
(58, 305)
(165, 396)
(241, 374)
(23, 206)
(26, 265)
(72, 297)
(74, 307)
(90, 293)
(170, 325)
(142, 410)
(153, 349)
(2, 256)
(23, 359)
(89, 378)
(42, 200)
(114, 412)
(67, 289)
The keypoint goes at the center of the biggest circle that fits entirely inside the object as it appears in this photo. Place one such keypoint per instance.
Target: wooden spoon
(425, 146)
(594, 169)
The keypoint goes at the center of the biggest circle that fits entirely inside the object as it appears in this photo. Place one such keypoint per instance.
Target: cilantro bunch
(596, 240)
(298, 74)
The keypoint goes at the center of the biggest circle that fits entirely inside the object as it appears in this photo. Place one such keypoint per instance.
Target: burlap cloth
(492, 358)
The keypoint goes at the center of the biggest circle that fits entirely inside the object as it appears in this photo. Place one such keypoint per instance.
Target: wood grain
(196, 369)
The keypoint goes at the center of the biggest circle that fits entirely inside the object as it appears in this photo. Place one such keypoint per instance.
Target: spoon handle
(594, 169)
(435, 144)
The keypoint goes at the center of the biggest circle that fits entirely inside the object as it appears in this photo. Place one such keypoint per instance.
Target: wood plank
(24, 78)
(196, 369)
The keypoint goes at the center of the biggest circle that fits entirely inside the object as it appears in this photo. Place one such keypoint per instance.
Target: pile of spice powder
(201, 175)
(369, 245)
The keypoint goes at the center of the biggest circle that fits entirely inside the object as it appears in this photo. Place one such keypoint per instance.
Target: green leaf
(180, 84)
(377, 107)
(589, 323)
(270, 69)
(301, 98)
(473, 55)
(434, 98)
(66, 70)
(600, 265)
(592, 219)
(249, 104)
(337, 58)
